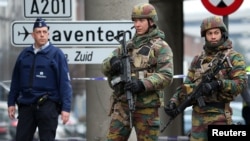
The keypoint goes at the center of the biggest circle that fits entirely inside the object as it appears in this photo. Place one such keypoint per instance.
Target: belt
(220, 105)
(39, 103)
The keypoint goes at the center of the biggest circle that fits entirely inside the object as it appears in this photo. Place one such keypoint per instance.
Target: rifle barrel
(166, 125)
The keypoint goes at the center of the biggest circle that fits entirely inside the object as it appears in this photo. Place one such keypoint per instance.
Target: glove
(135, 86)
(115, 63)
(208, 88)
(171, 110)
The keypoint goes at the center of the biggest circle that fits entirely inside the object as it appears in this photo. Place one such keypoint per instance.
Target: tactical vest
(203, 63)
(214, 102)
(142, 61)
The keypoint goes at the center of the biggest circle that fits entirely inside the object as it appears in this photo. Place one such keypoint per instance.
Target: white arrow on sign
(86, 55)
(69, 33)
(48, 8)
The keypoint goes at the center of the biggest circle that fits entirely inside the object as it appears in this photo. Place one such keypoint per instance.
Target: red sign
(222, 7)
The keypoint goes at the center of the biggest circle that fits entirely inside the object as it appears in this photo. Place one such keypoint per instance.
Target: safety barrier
(105, 78)
(173, 138)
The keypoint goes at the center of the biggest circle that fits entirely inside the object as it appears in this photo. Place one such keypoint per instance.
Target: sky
(194, 10)
(193, 6)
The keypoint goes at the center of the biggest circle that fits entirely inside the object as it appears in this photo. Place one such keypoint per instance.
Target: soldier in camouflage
(151, 71)
(246, 101)
(225, 86)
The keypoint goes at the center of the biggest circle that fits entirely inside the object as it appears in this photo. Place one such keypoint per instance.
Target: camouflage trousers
(200, 122)
(146, 123)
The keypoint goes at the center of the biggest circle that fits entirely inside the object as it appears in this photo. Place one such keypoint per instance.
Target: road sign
(86, 55)
(69, 33)
(222, 7)
(48, 8)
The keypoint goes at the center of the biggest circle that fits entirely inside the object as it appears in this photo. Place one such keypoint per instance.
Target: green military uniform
(231, 82)
(152, 63)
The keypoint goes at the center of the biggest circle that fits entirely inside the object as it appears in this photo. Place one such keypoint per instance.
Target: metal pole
(225, 20)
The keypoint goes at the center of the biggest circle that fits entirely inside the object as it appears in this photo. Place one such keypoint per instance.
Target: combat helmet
(144, 10)
(212, 22)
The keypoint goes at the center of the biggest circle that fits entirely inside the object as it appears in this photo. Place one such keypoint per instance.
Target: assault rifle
(126, 73)
(208, 76)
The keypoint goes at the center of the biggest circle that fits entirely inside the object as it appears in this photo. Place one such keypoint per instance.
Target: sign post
(222, 7)
(48, 8)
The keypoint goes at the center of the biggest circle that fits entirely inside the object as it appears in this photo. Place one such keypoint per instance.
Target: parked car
(73, 128)
(12, 127)
(237, 116)
(4, 120)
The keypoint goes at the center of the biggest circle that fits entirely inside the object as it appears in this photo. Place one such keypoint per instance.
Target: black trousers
(246, 114)
(45, 117)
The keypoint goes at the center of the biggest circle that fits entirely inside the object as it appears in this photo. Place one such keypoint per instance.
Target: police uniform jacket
(35, 75)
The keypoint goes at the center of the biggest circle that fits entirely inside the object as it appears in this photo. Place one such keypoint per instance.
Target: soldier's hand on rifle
(135, 86)
(115, 64)
(171, 110)
(208, 88)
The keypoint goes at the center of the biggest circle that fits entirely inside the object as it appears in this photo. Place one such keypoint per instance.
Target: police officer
(41, 88)
(224, 87)
(246, 101)
(151, 61)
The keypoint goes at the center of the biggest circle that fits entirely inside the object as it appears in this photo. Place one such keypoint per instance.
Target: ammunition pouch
(119, 114)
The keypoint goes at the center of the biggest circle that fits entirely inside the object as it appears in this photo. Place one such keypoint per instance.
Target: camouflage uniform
(232, 77)
(152, 62)
(246, 101)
